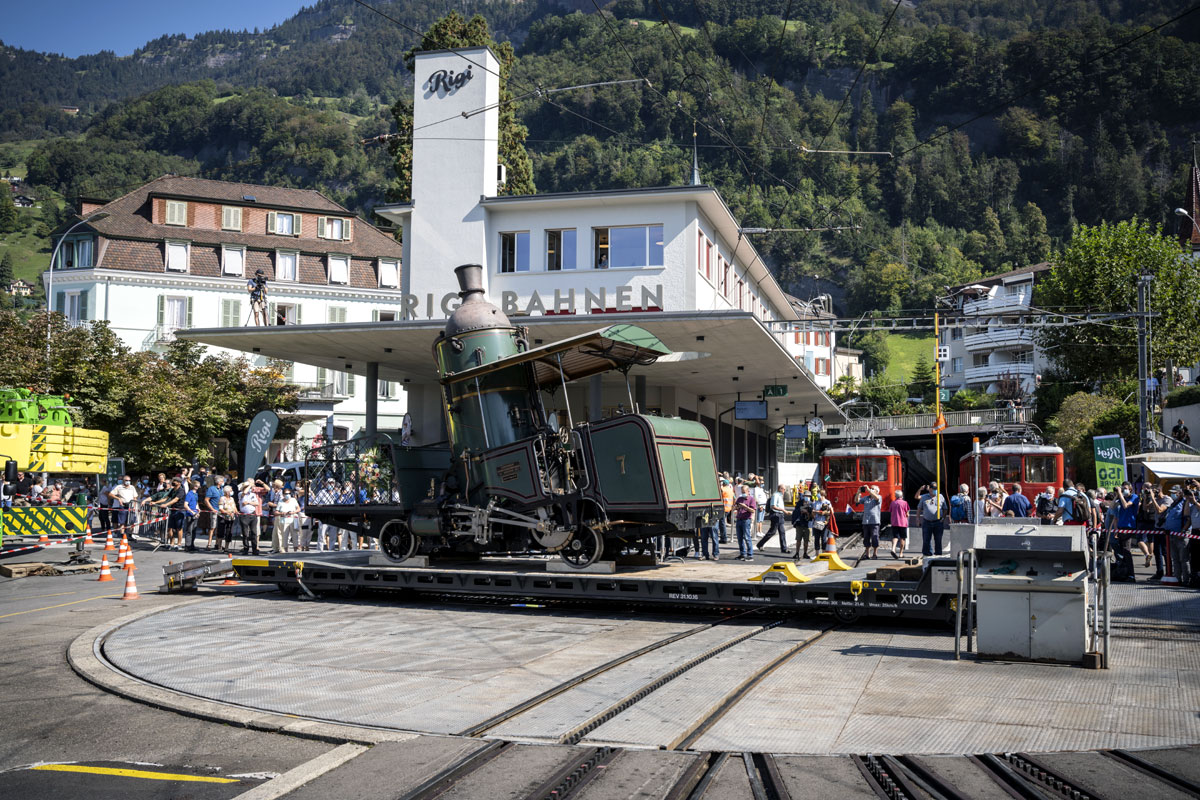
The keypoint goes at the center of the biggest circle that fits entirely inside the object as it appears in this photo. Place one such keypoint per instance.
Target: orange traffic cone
(105, 572)
(129, 565)
(87, 539)
(830, 542)
(123, 553)
(130, 587)
(108, 543)
(44, 538)
(230, 581)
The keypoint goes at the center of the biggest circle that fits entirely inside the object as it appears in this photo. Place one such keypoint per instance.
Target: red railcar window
(1041, 469)
(873, 469)
(842, 469)
(1006, 469)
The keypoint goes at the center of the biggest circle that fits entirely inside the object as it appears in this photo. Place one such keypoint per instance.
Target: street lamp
(50, 278)
(1179, 212)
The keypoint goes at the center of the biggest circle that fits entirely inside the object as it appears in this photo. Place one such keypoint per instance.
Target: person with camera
(1188, 546)
(257, 287)
(1150, 510)
(872, 505)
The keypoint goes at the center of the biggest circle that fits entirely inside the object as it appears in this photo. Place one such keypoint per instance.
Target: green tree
(1069, 427)
(886, 395)
(922, 384)
(6, 271)
(1099, 271)
(455, 31)
(9, 220)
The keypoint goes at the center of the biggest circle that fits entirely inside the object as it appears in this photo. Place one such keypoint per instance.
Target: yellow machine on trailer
(38, 433)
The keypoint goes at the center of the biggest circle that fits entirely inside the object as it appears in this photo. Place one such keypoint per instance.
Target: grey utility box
(1032, 592)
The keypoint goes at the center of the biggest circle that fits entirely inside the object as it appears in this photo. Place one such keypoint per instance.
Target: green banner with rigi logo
(1110, 460)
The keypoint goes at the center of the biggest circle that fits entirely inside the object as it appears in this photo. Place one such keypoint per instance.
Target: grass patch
(14, 154)
(651, 23)
(905, 348)
(30, 253)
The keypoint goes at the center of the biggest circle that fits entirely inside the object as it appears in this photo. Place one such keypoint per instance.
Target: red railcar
(1011, 459)
(844, 470)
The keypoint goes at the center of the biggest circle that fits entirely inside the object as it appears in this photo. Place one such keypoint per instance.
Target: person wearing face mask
(124, 498)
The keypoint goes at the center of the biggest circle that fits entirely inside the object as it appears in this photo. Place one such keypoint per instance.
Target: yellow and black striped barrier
(51, 520)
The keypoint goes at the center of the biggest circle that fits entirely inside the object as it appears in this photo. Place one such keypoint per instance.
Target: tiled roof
(130, 218)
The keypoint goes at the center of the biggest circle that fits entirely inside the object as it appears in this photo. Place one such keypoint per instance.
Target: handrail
(954, 419)
(1170, 444)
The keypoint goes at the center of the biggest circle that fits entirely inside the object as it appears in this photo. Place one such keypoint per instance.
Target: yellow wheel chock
(834, 562)
(782, 572)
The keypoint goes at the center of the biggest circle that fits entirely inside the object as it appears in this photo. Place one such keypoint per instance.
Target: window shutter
(60, 302)
(297, 219)
(375, 315)
(350, 384)
(270, 313)
(162, 310)
(189, 312)
(320, 377)
(225, 313)
(270, 222)
(320, 227)
(83, 305)
(346, 229)
(298, 320)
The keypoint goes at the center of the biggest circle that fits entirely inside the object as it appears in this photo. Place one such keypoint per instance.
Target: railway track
(599, 772)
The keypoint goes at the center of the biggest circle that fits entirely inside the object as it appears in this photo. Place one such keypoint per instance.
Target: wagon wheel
(349, 591)
(397, 542)
(584, 549)
(846, 615)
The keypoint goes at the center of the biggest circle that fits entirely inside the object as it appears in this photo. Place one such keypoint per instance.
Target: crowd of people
(203, 504)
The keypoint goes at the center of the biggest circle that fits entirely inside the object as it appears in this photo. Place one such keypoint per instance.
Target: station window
(560, 250)
(635, 246)
(514, 251)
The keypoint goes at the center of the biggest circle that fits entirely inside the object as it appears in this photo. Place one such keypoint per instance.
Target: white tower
(455, 163)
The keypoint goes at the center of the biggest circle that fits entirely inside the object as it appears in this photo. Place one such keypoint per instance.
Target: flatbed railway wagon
(516, 474)
(847, 468)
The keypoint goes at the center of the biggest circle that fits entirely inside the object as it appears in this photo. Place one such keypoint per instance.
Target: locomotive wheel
(848, 616)
(584, 549)
(397, 542)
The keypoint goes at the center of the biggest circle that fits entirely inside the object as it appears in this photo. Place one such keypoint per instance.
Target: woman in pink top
(899, 524)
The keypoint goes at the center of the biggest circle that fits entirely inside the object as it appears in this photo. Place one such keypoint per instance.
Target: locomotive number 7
(687, 456)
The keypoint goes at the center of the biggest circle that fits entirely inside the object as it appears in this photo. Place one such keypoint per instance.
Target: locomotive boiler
(515, 475)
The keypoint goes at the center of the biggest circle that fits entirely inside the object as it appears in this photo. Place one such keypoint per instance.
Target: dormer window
(282, 223)
(333, 228)
(176, 212)
(339, 269)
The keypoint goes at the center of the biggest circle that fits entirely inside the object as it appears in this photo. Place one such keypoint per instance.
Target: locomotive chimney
(475, 312)
(470, 282)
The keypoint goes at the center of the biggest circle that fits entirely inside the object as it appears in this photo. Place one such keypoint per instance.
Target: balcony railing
(994, 372)
(1000, 304)
(1167, 444)
(1002, 339)
(315, 391)
(976, 418)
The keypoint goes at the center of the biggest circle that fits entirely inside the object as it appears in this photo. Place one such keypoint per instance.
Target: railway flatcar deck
(847, 594)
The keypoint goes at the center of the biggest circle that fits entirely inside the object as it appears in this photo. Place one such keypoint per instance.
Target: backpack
(1080, 510)
(958, 508)
(1045, 506)
(1122, 568)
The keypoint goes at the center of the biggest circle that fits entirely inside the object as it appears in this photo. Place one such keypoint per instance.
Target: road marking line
(36, 596)
(60, 605)
(134, 773)
(310, 770)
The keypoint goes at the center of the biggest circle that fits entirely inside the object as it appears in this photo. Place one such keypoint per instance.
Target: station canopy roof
(714, 354)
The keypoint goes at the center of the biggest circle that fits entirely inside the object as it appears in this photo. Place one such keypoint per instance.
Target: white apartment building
(982, 354)
(177, 253)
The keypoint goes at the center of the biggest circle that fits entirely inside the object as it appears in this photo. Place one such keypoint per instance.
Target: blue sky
(75, 27)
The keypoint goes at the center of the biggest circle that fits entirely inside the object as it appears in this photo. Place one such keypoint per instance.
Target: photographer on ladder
(257, 287)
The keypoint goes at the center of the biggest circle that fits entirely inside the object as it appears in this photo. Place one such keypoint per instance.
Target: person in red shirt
(899, 512)
(745, 509)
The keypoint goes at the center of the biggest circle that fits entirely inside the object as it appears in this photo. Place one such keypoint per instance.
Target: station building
(673, 260)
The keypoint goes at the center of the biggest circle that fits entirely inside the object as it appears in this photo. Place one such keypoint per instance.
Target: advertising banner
(1110, 460)
(258, 441)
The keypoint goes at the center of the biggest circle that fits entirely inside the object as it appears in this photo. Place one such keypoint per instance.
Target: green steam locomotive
(515, 476)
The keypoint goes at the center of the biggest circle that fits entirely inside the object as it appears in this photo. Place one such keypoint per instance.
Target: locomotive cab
(845, 469)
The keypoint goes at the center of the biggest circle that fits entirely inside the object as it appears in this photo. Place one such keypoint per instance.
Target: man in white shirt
(287, 517)
(124, 502)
